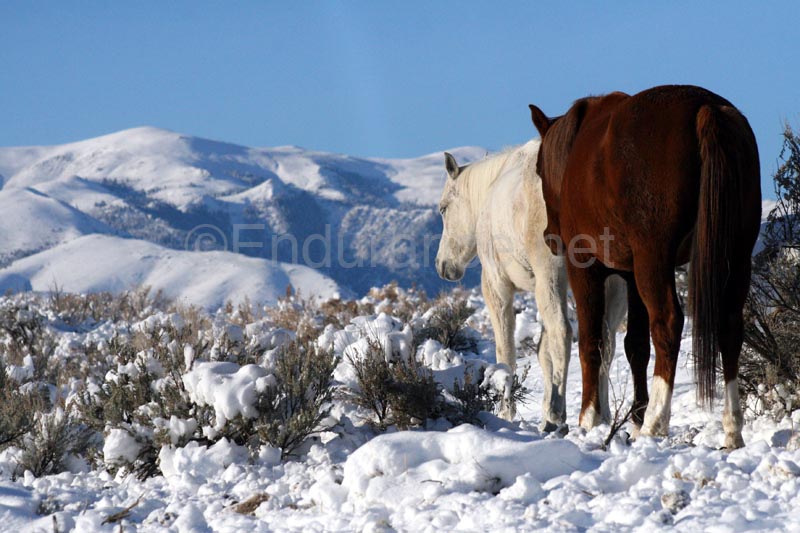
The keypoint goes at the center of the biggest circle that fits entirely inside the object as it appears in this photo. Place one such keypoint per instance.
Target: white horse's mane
(476, 178)
(491, 166)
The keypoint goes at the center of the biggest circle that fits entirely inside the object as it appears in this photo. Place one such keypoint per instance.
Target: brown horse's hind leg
(588, 288)
(656, 283)
(637, 350)
(730, 345)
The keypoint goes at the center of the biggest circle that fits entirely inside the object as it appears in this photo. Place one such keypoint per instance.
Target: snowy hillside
(96, 263)
(360, 221)
(31, 222)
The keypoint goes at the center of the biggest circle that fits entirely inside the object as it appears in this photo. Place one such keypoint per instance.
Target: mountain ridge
(358, 221)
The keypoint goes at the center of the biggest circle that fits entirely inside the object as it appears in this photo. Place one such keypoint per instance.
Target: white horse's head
(458, 245)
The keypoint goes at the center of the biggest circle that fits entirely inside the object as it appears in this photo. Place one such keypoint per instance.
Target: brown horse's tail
(719, 131)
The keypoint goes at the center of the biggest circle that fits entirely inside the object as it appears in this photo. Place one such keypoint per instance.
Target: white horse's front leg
(616, 306)
(554, 349)
(499, 297)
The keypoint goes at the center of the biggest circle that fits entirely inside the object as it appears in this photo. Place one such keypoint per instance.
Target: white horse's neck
(476, 179)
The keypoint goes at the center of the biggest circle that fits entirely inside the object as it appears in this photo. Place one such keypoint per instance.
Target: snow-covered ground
(505, 477)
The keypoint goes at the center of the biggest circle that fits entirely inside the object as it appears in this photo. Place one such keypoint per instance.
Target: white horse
(495, 209)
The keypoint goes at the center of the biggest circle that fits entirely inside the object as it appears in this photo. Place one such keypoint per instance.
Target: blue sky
(383, 79)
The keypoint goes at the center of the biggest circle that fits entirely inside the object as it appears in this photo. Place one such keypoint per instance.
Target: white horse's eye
(442, 210)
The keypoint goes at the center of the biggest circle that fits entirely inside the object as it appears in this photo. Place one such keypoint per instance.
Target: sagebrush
(770, 362)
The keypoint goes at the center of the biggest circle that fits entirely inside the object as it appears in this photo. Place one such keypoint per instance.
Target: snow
(395, 468)
(120, 445)
(230, 389)
(421, 178)
(196, 465)
(501, 477)
(207, 279)
(33, 221)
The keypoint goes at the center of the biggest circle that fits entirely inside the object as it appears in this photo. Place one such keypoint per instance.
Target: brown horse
(636, 185)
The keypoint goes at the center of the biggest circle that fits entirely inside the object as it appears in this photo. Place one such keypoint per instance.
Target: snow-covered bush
(446, 322)
(54, 437)
(176, 379)
(279, 403)
(127, 382)
(399, 392)
(26, 347)
(297, 400)
(140, 390)
(25, 341)
(409, 374)
(770, 364)
(477, 393)
(17, 408)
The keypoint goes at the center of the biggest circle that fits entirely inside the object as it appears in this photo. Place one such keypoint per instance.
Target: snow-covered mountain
(359, 222)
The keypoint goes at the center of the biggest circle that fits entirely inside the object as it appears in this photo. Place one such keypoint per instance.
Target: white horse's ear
(451, 166)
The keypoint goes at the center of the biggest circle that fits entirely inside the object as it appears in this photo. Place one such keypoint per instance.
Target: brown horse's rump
(668, 176)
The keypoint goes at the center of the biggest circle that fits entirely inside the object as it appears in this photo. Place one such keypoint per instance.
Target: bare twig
(120, 515)
(620, 415)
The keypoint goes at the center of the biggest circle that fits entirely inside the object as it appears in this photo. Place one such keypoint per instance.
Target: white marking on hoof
(732, 418)
(656, 417)
(589, 418)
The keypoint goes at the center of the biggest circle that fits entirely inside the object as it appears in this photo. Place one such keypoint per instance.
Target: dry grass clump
(405, 304)
(339, 313)
(295, 313)
(129, 306)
